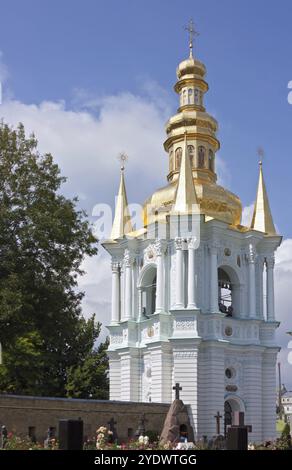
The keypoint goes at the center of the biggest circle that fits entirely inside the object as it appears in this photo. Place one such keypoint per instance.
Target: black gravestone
(237, 438)
(71, 434)
(237, 434)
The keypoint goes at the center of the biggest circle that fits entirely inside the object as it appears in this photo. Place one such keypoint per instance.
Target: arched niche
(147, 289)
(229, 292)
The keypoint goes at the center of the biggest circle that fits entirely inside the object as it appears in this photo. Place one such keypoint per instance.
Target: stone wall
(18, 413)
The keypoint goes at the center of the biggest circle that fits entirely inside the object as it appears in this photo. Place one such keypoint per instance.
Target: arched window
(178, 155)
(201, 156)
(148, 291)
(190, 96)
(197, 97)
(191, 153)
(184, 97)
(171, 161)
(211, 160)
(225, 293)
(228, 291)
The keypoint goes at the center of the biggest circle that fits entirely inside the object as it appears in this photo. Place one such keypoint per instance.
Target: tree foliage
(43, 240)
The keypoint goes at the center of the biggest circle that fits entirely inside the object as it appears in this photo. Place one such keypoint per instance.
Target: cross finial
(261, 154)
(123, 158)
(177, 389)
(217, 417)
(192, 33)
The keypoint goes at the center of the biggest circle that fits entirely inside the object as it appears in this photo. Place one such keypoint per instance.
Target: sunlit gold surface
(185, 196)
(122, 220)
(214, 201)
(262, 217)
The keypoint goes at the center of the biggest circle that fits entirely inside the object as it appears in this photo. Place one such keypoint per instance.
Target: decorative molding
(116, 338)
(270, 260)
(115, 266)
(186, 323)
(231, 388)
(192, 243)
(178, 242)
(128, 258)
(160, 247)
(251, 254)
(185, 354)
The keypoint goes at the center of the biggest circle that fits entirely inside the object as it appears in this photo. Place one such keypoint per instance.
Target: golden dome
(202, 144)
(214, 201)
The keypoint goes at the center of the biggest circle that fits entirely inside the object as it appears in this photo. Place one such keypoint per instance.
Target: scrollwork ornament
(160, 247)
(251, 254)
(128, 260)
(179, 243)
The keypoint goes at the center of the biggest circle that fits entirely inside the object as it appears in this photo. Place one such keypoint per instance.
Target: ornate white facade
(196, 307)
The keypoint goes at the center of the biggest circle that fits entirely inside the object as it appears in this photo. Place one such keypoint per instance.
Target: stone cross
(177, 389)
(218, 417)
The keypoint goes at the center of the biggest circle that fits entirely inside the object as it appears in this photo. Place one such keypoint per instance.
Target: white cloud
(85, 141)
(247, 215)
(283, 297)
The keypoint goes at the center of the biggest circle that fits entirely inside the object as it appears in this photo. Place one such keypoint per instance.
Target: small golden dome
(202, 143)
(190, 66)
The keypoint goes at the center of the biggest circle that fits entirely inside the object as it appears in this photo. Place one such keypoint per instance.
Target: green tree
(43, 240)
(89, 379)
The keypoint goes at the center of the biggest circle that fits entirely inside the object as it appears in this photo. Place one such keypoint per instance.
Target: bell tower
(193, 291)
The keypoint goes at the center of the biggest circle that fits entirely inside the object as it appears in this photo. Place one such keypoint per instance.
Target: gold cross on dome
(123, 158)
(192, 33)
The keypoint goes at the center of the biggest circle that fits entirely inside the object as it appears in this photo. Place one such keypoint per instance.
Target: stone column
(191, 274)
(251, 277)
(139, 303)
(214, 279)
(128, 286)
(270, 263)
(160, 249)
(115, 292)
(179, 273)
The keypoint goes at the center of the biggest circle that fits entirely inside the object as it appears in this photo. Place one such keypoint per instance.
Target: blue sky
(52, 48)
(93, 78)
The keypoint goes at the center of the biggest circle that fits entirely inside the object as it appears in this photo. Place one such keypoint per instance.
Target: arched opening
(191, 153)
(231, 405)
(201, 156)
(228, 291)
(197, 97)
(148, 291)
(190, 96)
(178, 155)
(211, 160)
(171, 161)
(184, 97)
